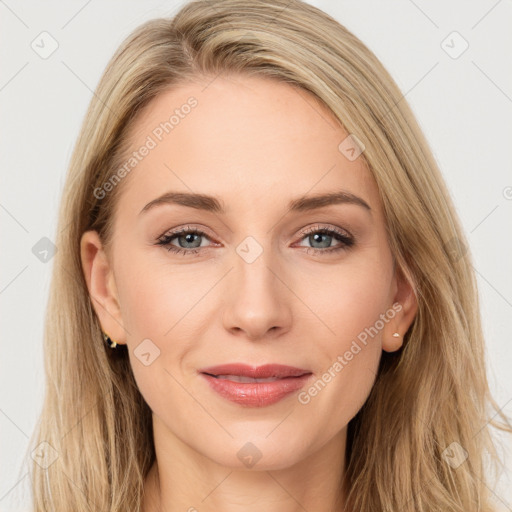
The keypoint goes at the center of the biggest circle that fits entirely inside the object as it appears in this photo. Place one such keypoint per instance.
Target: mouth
(243, 378)
(267, 371)
(255, 386)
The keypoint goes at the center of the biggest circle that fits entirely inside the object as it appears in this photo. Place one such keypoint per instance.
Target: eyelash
(346, 240)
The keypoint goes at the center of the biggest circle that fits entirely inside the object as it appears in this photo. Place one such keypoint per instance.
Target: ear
(405, 305)
(101, 285)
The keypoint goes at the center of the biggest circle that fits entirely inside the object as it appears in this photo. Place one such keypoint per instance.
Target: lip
(256, 372)
(256, 394)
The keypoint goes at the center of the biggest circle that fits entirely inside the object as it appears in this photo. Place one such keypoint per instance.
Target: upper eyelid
(184, 229)
(319, 227)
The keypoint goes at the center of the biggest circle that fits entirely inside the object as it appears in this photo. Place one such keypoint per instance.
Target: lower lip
(256, 394)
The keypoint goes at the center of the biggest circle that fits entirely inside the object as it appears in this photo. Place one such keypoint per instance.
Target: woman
(262, 296)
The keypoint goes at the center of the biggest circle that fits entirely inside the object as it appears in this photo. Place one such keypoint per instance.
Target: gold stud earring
(111, 343)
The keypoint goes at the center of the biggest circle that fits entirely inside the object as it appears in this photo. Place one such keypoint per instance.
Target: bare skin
(256, 145)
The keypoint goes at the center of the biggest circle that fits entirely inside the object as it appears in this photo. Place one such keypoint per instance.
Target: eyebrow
(215, 205)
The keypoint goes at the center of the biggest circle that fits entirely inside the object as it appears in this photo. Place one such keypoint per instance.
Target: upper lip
(256, 372)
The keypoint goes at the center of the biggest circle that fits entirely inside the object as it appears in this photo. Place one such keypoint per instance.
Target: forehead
(249, 140)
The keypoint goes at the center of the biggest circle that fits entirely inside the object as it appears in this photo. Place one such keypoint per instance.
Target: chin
(258, 453)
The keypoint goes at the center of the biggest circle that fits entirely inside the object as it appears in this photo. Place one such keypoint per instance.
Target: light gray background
(463, 104)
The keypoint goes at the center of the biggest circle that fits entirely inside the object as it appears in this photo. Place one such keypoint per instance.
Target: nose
(258, 299)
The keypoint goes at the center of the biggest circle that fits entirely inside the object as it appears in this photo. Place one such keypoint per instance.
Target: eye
(324, 237)
(188, 237)
(189, 240)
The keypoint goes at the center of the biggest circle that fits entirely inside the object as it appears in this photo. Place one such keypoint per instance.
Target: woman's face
(261, 283)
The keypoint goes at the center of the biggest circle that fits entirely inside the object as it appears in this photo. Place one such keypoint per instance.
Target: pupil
(319, 235)
(189, 238)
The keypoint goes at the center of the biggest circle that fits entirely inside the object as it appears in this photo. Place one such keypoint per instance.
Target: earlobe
(101, 285)
(391, 343)
(406, 306)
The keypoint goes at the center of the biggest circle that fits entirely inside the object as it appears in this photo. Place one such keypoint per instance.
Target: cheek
(163, 311)
(154, 295)
(349, 360)
(352, 305)
(351, 300)
(155, 308)
(337, 395)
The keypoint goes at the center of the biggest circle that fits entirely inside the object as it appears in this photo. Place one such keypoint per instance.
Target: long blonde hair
(429, 397)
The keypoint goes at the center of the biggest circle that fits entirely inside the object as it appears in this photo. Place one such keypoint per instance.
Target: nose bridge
(253, 266)
(254, 278)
